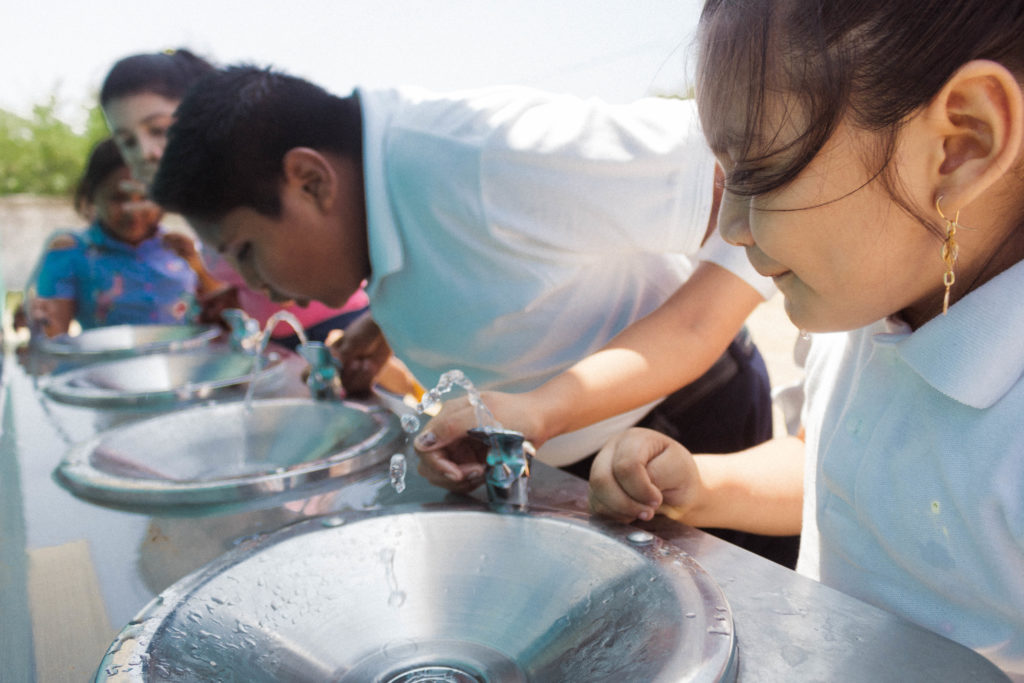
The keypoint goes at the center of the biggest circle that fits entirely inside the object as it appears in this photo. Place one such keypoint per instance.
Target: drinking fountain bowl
(203, 373)
(223, 453)
(454, 593)
(130, 340)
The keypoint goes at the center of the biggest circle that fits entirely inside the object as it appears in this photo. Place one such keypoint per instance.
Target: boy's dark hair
(104, 159)
(169, 74)
(233, 129)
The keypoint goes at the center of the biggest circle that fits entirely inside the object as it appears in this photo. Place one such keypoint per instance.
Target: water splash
(450, 380)
(429, 405)
(261, 348)
(396, 472)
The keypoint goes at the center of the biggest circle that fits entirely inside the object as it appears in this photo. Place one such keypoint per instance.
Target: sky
(618, 50)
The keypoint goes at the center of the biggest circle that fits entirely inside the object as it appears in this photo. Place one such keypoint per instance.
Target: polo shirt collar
(385, 243)
(974, 354)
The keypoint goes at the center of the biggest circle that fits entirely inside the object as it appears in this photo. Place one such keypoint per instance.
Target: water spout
(323, 381)
(281, 316)
(507, 472)
(244, 331)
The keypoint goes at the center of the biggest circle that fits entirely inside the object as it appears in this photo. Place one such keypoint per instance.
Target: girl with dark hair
(119, 270)
(873, 153)
(139, 96)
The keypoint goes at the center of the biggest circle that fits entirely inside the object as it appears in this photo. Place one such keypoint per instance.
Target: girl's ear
(309, 173)
(978, 117)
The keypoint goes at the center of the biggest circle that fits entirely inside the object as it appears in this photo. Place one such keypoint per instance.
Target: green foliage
(42, 154)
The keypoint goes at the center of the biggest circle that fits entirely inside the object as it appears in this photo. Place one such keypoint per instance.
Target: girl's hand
(641, 472)
(452, 460)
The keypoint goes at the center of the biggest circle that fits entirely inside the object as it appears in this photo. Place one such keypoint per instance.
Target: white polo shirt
(918, 479)
(513, 232)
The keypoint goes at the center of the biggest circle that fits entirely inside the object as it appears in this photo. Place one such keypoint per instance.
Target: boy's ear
(309, 172)
(979, 120)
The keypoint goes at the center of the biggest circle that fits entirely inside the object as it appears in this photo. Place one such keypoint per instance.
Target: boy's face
(307, 253)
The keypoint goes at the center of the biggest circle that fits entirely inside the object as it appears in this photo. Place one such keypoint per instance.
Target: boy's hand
(638, 472)
(213, 305)
(362, 352)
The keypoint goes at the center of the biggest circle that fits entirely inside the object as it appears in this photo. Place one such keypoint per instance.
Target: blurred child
(873, 154)
(119, 270)
(139, 96)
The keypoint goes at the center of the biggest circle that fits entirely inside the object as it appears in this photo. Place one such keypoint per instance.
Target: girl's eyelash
(242, 252)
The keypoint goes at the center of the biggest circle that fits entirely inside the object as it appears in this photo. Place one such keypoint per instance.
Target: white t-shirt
(915, 474)
(513, 232)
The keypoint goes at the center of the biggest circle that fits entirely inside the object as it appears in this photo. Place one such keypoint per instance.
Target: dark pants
(727, 409)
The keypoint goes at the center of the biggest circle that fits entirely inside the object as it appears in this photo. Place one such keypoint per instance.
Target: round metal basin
(222, 453)
(126, 340)
(460, 595)
(162, 377)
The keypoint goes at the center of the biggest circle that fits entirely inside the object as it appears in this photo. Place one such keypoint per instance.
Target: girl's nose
(734, 220)
(152, 148)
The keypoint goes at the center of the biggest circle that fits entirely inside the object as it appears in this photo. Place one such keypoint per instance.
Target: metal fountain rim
(203, 336)
(58, 387)
(76, 473)
(132, 642)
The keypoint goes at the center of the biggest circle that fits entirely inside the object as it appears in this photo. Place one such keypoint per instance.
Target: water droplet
(640, 537)
(396, 599)
(410, 423)
(396, 471)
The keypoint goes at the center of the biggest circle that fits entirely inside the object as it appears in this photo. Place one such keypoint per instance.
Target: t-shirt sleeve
(57, 278)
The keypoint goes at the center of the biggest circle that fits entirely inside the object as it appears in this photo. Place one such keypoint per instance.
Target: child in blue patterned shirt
(124, 268)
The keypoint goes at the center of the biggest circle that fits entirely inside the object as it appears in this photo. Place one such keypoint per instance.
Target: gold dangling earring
(950, 249)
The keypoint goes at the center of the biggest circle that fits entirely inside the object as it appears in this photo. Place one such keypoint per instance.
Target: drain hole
(436, 674)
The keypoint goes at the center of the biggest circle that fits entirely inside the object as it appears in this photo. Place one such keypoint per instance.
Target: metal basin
(460, 595)
(223, 453)
(158, 378)
(127, 340)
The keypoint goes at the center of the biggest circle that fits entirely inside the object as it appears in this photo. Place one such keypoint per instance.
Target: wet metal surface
(130, 340)
(205, 373)
(787, 627)
(456, 591)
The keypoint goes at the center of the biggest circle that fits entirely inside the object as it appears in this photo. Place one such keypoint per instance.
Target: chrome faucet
(323, 381)
(507, 471)
(245, 332)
